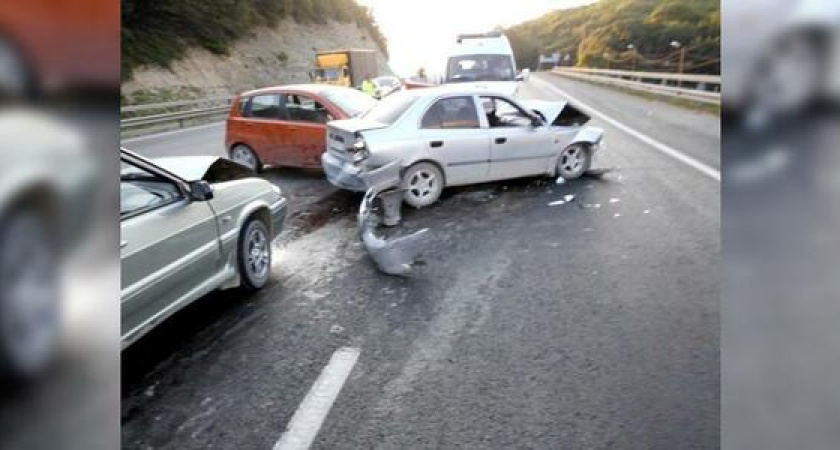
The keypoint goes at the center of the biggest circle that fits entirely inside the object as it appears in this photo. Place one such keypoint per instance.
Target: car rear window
(391, 108)
(263, 107)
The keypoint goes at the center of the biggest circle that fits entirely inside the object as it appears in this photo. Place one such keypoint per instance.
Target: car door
(452, 133)
(261, 128)
(169, 246)
(517, 147)
(306, 121)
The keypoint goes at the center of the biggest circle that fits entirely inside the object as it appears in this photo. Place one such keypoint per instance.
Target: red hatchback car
(286, 125)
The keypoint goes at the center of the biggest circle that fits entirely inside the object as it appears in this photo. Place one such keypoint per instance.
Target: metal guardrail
(134, 116)
(701, 88)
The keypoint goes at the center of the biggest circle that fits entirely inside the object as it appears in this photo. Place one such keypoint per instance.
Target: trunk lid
(341, 134)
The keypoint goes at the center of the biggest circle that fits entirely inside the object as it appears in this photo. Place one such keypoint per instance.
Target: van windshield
(468, 68)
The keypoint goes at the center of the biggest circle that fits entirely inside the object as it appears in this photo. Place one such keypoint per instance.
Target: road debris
(560, 180)
(615, 200)
(647, 211)
(568, 198)
(381, 205)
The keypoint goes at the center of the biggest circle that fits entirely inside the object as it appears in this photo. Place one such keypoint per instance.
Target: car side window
(263, 107)
(301, 108)
(502, 113)
(142, 191)
(452, 112)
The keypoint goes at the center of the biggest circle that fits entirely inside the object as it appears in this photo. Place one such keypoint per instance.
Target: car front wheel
(254, 254)
(423, 184)
(574, 160)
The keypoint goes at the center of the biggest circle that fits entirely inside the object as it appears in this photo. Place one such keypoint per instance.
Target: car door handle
(436, 144)
(501, 140)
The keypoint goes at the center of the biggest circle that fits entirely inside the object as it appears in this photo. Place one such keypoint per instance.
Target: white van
(484, 60)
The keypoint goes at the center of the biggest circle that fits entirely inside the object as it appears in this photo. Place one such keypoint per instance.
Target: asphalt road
(529, 326)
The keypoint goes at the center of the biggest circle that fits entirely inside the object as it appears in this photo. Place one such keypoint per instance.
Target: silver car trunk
(341, 135)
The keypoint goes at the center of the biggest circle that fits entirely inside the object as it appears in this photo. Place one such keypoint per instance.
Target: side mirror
(537, 118)
(201, 191)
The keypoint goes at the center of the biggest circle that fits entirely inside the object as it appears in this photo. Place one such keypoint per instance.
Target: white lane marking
(169, 133)
(703, 168)
(304, 426)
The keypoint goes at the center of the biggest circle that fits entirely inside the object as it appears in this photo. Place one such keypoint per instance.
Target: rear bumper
(342, 174)
(278, 216)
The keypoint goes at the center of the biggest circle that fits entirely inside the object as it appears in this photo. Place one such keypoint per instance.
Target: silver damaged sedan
(190, 225)
(451, 136)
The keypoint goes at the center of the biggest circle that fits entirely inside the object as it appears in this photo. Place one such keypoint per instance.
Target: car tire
(573, 161)
(254, 254)
(29, 295)
(423, 183)
(244, 155)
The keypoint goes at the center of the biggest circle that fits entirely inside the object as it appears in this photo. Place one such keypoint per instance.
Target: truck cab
(346, 68)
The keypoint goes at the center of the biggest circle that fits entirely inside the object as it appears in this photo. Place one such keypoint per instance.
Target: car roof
(453, 89)
(482, 44)
(312, 88)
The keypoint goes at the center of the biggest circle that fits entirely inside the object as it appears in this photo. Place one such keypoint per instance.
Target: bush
(598, 34)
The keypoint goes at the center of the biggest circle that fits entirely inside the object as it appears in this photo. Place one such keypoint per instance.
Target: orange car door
(258, 126)
(307, 120)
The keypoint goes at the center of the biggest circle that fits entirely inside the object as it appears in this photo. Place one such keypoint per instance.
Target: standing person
(368, 86)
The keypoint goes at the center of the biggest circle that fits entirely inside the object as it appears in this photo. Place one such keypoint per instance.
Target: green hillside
(158, 32)
(598, 35)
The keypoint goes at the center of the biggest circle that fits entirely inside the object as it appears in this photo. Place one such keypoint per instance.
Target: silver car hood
(212, 169)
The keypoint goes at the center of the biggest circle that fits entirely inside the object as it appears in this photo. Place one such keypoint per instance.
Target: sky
(420, 32)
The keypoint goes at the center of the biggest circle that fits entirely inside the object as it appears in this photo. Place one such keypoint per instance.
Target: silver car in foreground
(190, 225)
(450, 136)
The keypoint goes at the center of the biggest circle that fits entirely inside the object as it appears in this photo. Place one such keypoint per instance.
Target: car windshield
(350, 101)
(391, 108)
(480, 68)
(326, 74)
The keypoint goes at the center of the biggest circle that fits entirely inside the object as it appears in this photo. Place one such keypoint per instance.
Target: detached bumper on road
(278, 216)
(342, 174)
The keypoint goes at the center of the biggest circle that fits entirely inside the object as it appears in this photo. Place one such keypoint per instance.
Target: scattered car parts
(381, 205)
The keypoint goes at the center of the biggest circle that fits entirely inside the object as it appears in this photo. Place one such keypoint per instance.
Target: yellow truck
(345, 67)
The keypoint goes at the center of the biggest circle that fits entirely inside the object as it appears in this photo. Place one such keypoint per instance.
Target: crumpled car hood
(550, 110)
(212, 169)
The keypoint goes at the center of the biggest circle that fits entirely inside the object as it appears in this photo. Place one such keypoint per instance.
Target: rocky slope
(271, 56)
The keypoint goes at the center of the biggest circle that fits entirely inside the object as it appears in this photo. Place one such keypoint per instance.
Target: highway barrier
(699, 88)
(151, 114)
